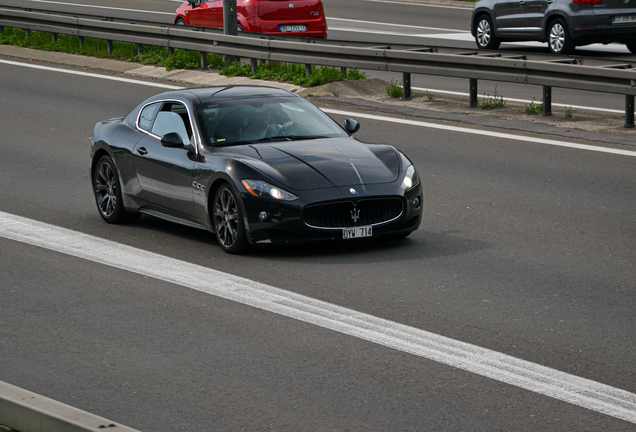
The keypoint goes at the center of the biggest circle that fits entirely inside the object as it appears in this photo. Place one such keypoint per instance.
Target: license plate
(625, 19)
(300, 28)
(357, 232)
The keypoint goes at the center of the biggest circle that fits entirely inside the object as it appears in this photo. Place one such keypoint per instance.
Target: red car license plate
(299, 28)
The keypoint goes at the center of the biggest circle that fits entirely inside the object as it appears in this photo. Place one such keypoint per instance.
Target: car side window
(148, 115)
(173, 117)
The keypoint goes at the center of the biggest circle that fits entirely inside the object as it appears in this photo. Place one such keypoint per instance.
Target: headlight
(411, 179)
(260, 188)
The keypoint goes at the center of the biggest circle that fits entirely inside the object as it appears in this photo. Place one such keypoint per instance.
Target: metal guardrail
(25, 411)
(567, 73)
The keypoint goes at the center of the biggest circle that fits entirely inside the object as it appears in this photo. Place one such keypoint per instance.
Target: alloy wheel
(483, 33)
(106, 189)
(226, 218)
(557, 38)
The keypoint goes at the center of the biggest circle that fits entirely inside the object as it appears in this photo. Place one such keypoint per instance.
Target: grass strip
(181, 59)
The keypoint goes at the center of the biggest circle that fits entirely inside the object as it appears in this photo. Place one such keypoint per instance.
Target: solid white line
(92, 75)
(530, 376)
(523, 101)
(384, 24)
(99, 7)
(484, 133)
(421, 4)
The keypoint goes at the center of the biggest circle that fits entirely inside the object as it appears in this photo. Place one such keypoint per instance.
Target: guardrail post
(140, 49)
(629, 111)
(54, 37)
(170, 51)
(406, 85)
(473, 93)
(204, 60)
(254, 63)
(28, 32)
(109, 47)
(344, 71)
(547, 101)
(81, 42)
(1, 29)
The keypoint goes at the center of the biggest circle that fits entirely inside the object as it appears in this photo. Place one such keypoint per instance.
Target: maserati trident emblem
(355, 214)
(353, 191)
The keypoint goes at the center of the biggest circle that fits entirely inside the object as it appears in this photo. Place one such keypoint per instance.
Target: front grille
(347, 214)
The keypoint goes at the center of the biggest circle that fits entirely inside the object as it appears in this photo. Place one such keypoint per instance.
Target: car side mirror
(172, 140)
(193, 3)
(351, 126)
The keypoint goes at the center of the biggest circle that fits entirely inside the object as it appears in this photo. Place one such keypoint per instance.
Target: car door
(165, 174)
(202, 14)
(535, 17)
(510, 18)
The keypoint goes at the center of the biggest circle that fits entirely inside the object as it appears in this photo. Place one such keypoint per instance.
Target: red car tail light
(587, 2)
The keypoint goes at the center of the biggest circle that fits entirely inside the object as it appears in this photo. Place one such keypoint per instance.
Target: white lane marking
(384, 24)
(92, 75)
(421, 4)
(522, 100)
(501, 367)
(99, 7)
(484, 133)
(359, 115)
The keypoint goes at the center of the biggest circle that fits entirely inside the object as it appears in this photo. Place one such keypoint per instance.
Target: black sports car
(253, 165)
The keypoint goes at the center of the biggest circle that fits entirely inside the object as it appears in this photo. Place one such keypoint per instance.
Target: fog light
(263, 216)
(416, 203)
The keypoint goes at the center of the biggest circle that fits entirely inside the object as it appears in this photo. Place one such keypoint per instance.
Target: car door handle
(142, 151)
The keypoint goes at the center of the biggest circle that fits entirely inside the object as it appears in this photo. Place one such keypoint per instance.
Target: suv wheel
(559, 40)
(484, 34)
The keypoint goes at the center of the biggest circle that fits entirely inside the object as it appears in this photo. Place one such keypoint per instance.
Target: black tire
(559, 41)
(631, 46)
(485, 34)
(107, 189)
(239, 28)
(180, 21)
(227, 219)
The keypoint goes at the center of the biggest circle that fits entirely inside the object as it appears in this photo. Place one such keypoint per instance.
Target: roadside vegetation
(181, 59)
(395, 90)
(492, 102)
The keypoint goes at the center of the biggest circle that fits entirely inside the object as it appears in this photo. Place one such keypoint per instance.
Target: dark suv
(564, 24)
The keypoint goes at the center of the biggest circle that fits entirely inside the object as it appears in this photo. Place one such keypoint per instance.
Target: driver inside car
(262, 125)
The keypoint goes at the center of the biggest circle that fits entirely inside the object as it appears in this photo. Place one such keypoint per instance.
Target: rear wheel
(559, 40)
(227, 218)
(631, 46)
(108, 193)
(485, 34)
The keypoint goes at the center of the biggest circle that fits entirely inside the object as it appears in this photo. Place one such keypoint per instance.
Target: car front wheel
(485, 34)
(180, 22)
(227, 218)
(108, 193)
(559, 40)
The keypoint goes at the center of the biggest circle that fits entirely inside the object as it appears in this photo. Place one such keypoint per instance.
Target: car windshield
(249, 121)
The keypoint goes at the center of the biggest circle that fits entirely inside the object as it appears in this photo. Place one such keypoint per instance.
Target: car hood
(323, 163)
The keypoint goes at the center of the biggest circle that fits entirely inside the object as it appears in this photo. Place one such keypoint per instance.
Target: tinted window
(173, 117)
(251, 120)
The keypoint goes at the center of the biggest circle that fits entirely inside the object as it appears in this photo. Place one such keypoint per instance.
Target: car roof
(211, 94)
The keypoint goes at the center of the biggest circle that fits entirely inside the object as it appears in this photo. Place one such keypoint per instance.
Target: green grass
(534, 108)
(492, 102)
(292, 73)
(395, 89)
(181, 59)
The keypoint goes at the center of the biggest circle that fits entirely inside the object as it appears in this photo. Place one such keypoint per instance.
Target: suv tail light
(587, 2)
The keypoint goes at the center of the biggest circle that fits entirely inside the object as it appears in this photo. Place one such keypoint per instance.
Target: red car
(302, 18)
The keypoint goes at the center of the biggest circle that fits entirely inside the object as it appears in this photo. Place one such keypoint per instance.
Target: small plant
(568, 113)
(534, 108)
(492, 102)
(395, 90)
(310, 95)
(429, 96)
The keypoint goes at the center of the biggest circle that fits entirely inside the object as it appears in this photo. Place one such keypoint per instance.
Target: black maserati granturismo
(253, 165)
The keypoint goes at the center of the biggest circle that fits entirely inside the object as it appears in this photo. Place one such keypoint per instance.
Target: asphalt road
(386, 22)
(525, 249)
